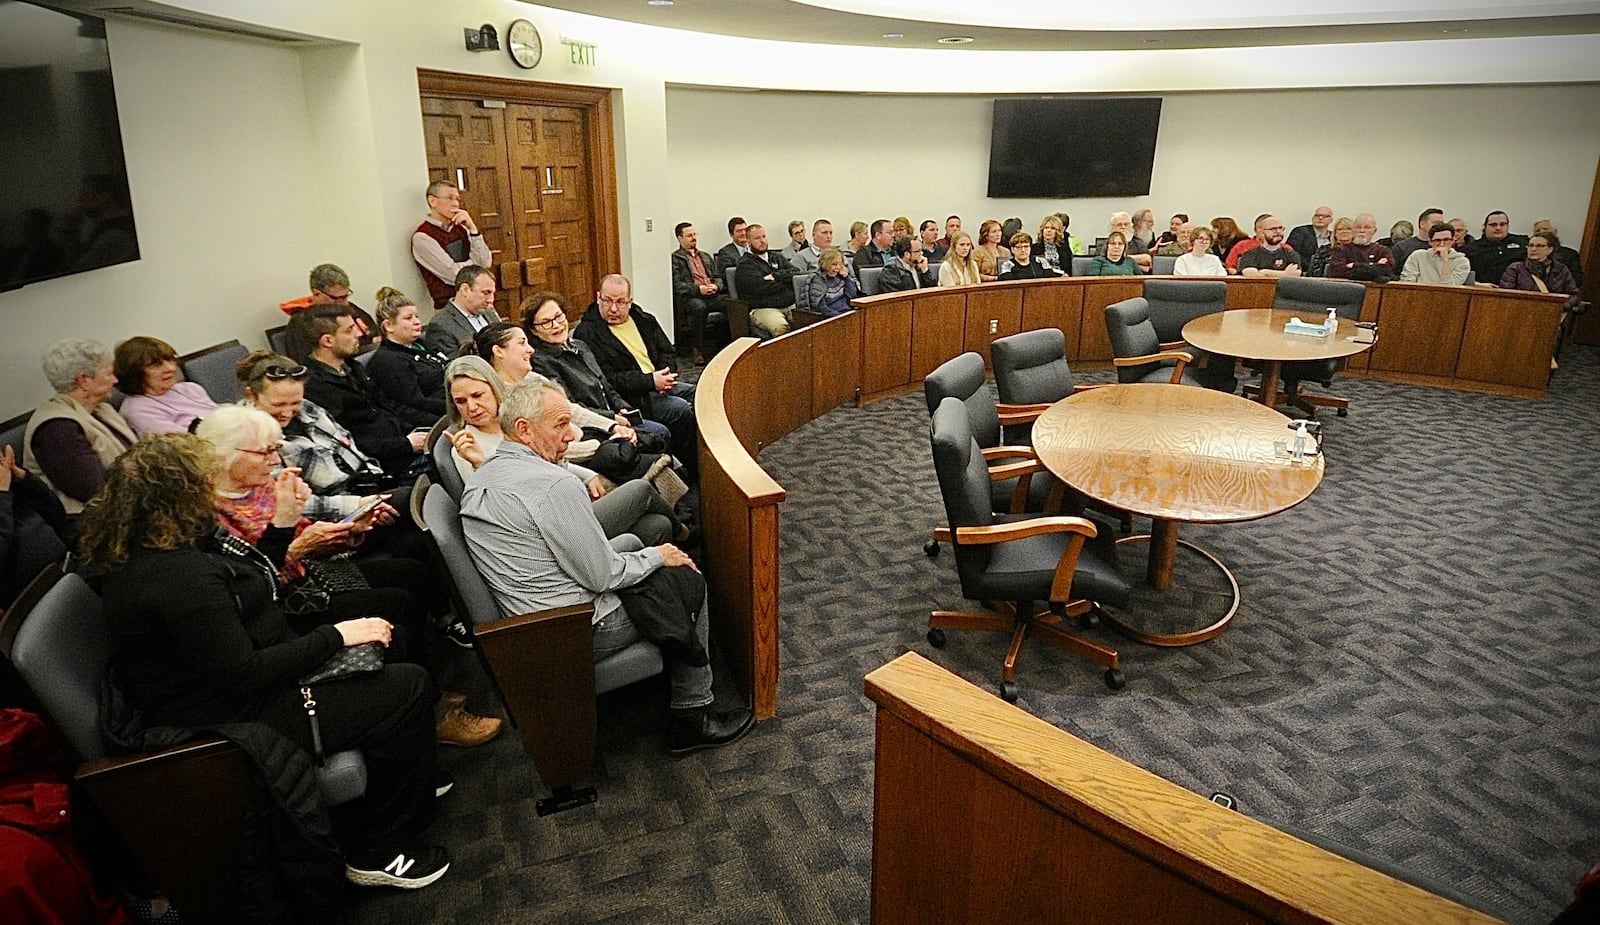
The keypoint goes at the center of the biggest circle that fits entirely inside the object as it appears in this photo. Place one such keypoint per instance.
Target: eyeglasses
(277, 371)
(340, 297)
(1445, 239)
(625, 302)
(1532, 245)
(265, 453)
(554, 321)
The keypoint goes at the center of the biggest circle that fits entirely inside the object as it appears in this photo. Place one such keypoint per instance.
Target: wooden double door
(535, 168)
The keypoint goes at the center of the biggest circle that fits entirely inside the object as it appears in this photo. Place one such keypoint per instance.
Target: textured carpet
(1412, 672)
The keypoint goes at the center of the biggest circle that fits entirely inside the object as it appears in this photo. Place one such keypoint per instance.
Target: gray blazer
(450, 328)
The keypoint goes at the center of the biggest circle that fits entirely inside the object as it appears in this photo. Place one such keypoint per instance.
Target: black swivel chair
(1313, 297)
(1136, 347)
(1069, 563)
(1174, 303)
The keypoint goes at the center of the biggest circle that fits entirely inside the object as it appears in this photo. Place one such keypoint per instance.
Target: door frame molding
(607, 245)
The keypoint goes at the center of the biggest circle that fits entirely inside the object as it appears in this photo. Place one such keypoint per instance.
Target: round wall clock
(522, 40)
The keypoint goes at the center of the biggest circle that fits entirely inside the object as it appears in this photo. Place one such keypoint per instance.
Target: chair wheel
(1342, 412)
(1089, 619)
(936, 638)
(1115, 679)
(931, 549)
(1008, 691)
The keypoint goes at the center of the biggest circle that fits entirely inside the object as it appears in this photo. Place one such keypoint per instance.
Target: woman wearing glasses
(403, 368)
(1441, 264)
(1540, 272)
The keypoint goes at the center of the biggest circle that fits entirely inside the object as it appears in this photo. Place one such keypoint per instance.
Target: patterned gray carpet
(1413, 672)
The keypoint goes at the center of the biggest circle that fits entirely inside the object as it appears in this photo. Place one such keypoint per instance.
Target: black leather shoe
(707, 728)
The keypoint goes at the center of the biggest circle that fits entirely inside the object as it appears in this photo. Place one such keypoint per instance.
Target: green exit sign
(580, 52)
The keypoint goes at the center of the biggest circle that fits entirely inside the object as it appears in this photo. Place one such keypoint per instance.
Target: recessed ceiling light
(1456, 30)
(659, 2)
(956, 40)
(1152, 41)
(894, 35)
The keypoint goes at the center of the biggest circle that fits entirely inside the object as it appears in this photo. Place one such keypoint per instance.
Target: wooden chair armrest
(804, 317)
(543, 664)
(1093, 385)
(1012, 470)
(1007, 452)
(1021, 414)
(1038, 526)
(1174, 345)
(1154, 357)
(209, 748)
(738, 312)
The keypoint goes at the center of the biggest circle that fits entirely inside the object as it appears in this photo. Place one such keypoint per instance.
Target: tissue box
(1296, 326)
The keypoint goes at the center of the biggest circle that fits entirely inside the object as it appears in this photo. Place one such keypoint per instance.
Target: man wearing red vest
(446, 241)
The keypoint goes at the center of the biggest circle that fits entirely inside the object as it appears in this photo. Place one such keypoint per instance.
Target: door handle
(533, 271)
(550, 182)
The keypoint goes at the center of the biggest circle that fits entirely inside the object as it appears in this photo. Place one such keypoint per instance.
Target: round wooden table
(1175, 453)
(1257, 334)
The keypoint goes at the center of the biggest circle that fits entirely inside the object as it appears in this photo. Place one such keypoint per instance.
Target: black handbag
(347, 662)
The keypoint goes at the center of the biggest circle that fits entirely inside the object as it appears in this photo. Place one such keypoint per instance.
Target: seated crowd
(239, 546)
(821, 278)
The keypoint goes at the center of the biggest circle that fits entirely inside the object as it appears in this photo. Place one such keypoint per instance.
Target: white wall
(847, 157)
(250, 162)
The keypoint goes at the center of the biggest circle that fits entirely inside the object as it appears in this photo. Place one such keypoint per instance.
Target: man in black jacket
(639, 362)
(697, 290)
(324, 338)
(765, 282)
(907, 269)
(1497, 249)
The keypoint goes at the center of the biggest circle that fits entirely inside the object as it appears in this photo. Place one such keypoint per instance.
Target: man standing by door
(446, 242)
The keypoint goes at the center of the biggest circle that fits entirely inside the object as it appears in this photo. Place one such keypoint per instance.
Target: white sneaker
(408, 870)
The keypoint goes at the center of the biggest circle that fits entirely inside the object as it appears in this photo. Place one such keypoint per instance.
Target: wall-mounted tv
(1073, 147)
(64, 204)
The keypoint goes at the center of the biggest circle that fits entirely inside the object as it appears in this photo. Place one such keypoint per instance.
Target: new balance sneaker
(457, 632)
(411, 869)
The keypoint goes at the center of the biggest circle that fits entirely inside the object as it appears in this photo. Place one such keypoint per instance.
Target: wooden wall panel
(1093, 342)
(725, 532)
(1419, 331)
(885, 346)
(1508, 340)
(937, 331)
(1250, 293)
(1001, 304)
(783, 386)
(1369, 312)
(1059, 306)
(835, 362)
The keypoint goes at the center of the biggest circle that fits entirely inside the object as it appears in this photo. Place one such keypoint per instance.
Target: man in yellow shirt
(640, 363)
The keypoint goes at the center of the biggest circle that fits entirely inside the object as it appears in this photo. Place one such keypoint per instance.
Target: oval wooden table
(1175, 454)
(1257, 334)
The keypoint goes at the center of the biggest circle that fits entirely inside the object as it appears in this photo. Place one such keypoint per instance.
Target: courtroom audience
(807, 258)
(1179, 245)
(1199, 261)
(330, 285)
(1231, 258)
(1441, 264)
(728, 255)
(468, 310)
(1399, 231)
(765, 282)
(1078, 247)
(952, 224)
(1497, 250)
(1305, 239)
(1144, 232)
(697, 289)
(989, 252)
(960, 267)
(1053, 248)
(1566, 256)
(75, 434)
(1022, 265)
(902, 227)
(1272, 256)
(929, 232)
(447, 242)
(878, 251)
(857, 241)
(33, 527)
(907, 268)
(1122, 223)
(1344, 232)
(1363, 258)
(797, 240)
(1115, 261)
(1459, 226)
(1402, 250)
(404, 368)
(157, 403)
(830, 290)
(1170, 236)
(1539, 271)
(1227, 235)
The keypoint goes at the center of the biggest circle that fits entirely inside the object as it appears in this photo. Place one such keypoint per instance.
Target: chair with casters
(1017, 561)
(1136, 347)
(213, 369)
(1174, 303)
(180, 811)
(963, 378)
(541, 663)
(1314, 297)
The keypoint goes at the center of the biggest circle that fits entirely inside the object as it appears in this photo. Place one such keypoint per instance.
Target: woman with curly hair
(199, 640)
(1226, 233)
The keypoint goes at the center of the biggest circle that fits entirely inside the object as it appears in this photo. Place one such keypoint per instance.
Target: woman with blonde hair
(989, 252)
(858, 238)
(903, 228)
(960, 268)
(1053, 249)
(403, 368)
(830, 289)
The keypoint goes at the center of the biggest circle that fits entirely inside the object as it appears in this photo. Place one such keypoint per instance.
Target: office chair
(1136, 348)
(1314, 297)
(1069, 563)
(180, 811)
(542, 665)
(1174, 303)
(1031, 374)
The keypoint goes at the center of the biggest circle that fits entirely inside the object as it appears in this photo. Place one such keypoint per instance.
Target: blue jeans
(675, 409)
(691, 685)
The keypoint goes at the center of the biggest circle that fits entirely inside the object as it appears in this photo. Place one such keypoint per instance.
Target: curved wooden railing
(751, 395)
(983, 812)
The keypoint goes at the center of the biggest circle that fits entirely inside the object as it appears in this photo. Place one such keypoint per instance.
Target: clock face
(522, 40)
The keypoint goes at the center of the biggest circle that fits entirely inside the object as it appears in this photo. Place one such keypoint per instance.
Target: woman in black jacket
(200, 640)
(403, 368)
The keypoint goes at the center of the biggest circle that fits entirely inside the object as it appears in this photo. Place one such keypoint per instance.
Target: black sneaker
(409, 870)
(457, 632)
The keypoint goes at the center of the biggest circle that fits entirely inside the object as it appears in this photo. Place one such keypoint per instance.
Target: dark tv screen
(1073, 148)
(64, 204)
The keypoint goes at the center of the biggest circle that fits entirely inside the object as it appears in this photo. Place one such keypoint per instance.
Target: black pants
(388, 716)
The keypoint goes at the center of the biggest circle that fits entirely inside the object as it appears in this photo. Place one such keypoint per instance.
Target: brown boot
(466, 729)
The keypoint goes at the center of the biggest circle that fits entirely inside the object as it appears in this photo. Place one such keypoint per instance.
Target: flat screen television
(64, 204)
(1073, 147)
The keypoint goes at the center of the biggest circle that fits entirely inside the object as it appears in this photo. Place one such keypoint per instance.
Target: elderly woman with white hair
(75, 434)
(265, 511)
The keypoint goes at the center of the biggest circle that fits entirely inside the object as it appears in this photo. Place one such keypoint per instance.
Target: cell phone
(366, 508)
(634, 416)
(422, 430)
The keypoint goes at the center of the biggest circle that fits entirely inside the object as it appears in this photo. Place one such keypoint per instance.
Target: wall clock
(522, 41)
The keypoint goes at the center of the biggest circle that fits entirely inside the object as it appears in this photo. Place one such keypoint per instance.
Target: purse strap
(316, 727)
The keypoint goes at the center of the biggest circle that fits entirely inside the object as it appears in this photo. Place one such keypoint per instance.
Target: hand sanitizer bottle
(1333, 320)
(1298, 454)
